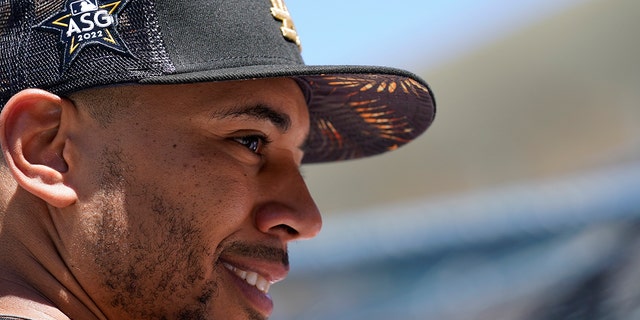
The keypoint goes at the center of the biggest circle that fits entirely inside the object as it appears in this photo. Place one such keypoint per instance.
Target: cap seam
(246, 57)
(266, 59)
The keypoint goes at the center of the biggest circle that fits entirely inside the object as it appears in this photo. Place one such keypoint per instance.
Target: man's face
(185, 192)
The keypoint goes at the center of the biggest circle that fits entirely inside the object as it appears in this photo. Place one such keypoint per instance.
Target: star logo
(83, 23)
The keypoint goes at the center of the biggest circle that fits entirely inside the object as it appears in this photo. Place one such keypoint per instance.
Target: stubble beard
(128, 260)
(143, 276)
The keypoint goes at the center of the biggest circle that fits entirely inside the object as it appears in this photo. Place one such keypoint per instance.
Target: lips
(253, 277)
(250, 270)
(250, 277)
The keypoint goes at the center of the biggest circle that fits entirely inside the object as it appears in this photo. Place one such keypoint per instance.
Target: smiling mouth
(250, 277)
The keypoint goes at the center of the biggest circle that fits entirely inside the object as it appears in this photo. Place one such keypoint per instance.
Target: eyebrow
(261, 112)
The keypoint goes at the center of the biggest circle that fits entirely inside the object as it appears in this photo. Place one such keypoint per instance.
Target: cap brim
(355, 111)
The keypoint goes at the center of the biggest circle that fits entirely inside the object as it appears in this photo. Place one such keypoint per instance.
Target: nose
(288, 211)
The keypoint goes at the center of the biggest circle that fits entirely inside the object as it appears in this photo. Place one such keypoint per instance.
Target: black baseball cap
(65, 46)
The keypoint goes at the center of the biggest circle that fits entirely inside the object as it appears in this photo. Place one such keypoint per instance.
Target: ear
(32, 135)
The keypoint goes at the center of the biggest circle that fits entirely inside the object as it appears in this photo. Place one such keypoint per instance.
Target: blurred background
(522, 201)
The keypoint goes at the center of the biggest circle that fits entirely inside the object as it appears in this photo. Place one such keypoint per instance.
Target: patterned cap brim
(360, 115)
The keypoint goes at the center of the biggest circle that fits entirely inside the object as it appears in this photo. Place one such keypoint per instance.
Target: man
(152, 153)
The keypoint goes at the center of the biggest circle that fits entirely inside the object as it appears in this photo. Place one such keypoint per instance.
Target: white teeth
(251, 278)
(262, 284)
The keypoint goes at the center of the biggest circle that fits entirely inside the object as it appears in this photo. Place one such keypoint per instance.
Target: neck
(19, 299)
(35, 282)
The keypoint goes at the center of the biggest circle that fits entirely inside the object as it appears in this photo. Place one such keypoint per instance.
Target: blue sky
(408, 33)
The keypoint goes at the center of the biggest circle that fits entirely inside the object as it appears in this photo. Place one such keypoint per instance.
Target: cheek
(151, 219)
(152, 241)
(186, 178)
(211, 190)
(211, 181)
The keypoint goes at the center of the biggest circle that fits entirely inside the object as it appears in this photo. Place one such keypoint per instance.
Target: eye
(254, 143)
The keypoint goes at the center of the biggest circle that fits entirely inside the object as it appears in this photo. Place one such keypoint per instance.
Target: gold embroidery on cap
(279, 11)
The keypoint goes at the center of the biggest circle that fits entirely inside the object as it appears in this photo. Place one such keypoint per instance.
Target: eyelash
(254, 143)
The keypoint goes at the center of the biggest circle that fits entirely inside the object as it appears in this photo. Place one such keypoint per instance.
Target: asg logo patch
(83, 23)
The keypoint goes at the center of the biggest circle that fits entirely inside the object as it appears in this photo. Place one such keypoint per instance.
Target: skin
(134, 206)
